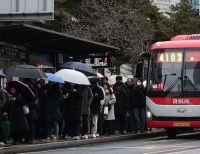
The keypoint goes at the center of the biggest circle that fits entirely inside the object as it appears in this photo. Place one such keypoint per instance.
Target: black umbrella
(23, 88)
(81, 67)
(25, 71)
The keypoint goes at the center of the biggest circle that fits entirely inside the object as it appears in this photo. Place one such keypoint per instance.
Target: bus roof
(179, 41)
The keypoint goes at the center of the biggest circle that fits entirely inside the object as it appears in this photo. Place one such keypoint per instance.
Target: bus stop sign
(15, 10)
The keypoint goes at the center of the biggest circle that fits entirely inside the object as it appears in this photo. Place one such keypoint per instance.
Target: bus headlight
(149, 115)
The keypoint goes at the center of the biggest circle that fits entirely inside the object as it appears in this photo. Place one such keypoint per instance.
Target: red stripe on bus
(176, 101)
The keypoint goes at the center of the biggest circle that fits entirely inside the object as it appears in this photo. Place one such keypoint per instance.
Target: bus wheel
(171, 133)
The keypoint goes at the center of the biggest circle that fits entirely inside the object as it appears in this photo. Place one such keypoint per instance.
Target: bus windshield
(175, 70)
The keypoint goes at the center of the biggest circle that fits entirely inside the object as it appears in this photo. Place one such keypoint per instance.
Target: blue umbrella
(81, 67)
(53, 78)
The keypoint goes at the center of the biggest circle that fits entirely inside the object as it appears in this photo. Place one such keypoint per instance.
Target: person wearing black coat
(130, 120)
(121, 107)
(53, 98)
(40, 123)
(64, 89)
(98, 95)
(31, 116)
(137, 98)
(18, 122)
(2, 104)
(73, 108)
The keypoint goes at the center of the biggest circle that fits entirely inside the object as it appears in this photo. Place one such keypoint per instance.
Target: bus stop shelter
(51, 41)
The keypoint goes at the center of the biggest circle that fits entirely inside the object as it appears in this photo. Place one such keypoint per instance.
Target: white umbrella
(73, 76)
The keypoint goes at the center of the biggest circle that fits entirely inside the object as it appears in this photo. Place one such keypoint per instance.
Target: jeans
(30, 134)
(142, 113)
(101, 120)
(84, 124)
(131, 119)
(61, 127)
(120, 123)
(51, 125)
(94, 118)
(72, 129)
(137, 119)
(1, 132)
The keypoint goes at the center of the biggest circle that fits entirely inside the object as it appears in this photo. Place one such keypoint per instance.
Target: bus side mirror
(139, 69)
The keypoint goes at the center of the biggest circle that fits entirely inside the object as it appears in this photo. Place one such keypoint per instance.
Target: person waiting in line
(121, 107)
(31, 116)
(17, 118)
(2, 106)
(53, 97)
(86, 102)
(109, 102)
(137, 98)
(40, 124)
(131, 122)
(98, 95)
(73, 108)
(64, 88)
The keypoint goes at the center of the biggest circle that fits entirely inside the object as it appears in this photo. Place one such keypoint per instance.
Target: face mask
(139, 83)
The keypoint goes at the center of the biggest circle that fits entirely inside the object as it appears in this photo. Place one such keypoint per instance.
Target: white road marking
(189, 150)
(165, 151)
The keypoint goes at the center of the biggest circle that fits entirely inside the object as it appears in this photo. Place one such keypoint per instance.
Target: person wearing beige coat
(109, 101)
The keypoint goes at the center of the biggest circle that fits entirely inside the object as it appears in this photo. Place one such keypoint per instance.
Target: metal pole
(45, 5)
(17, 5)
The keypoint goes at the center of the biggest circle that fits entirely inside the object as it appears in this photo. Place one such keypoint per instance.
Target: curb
(66, 144)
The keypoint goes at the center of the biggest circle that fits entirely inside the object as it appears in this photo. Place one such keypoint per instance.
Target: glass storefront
(42, 61)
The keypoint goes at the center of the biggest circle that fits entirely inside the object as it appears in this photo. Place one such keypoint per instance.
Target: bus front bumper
(173, 124)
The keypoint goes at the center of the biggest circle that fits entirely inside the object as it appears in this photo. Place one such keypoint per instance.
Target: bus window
(192, 70)
(166, 68)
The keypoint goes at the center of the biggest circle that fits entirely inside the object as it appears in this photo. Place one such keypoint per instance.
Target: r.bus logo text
(181, 101)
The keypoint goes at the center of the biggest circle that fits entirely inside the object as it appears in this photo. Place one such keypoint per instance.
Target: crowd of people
(73, 111)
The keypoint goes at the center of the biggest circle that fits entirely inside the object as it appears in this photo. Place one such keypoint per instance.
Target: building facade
(164, 5)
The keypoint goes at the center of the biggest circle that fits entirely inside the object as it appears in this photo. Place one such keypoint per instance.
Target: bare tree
(111, 22)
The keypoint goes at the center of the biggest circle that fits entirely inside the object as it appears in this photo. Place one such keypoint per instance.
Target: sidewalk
(42, 145)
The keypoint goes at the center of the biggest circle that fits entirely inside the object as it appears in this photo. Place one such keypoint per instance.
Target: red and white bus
(173, 84)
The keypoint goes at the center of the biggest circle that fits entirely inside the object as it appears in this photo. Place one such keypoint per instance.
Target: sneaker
(76, 138)
(53, 138)
(1, 143)
(97, 135)
(93, 136)
(31, 141)
(138, 132)
(85, 137)
(67, 137)
(48, 139)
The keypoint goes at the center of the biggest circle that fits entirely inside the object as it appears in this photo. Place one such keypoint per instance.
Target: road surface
(184, 144)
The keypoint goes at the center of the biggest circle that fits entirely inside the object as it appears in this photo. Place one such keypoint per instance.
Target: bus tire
(171, 133)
